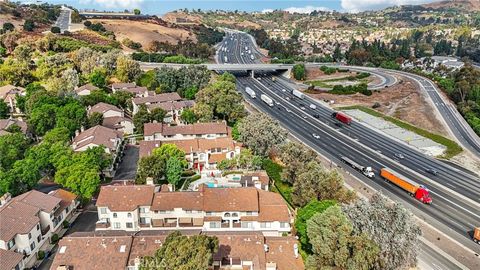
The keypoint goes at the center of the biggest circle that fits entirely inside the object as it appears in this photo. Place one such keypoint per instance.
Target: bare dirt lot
(403, 101)
(145, 32)
(183, 18)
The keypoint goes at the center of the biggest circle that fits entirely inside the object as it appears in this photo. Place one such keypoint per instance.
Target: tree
(188, 116)
(379, 219)
(316, 183)
(42, 119)
(299, 72)
(55, 30)
(98, 78)
(224, 100)
(127, 69)
(4, 110)
(227, 77)
(136, 11)
(150, 166)
(71, 116)
(183, 253)
(203, 112)
(7, 26)
(23, 53)
(140, 118)
(337, 53)
(12, 148)
(174, 171)
(260, 133)
(95, 119)
(158, 114)
(295, 156)
(335, 246)
(57, 135)
(303, 215)
(29, 25)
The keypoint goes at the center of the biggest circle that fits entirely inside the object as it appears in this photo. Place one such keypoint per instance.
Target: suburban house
(137, 208)
(85, 90)
(164, 132)
(28, 221)
(200, 153)
(154, 99)
(113, 117)
(5, 124)
(239, 250)
(132, 88)
(97, 136)
(8, 94)
(173, 110)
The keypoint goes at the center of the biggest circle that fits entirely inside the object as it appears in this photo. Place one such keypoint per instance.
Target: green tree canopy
(261, 133)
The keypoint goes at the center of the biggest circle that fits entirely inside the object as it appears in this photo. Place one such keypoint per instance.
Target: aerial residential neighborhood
(259, 135)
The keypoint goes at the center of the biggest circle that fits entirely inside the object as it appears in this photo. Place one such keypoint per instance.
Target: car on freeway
(338, 124)
(305, 117)
(302, 108)
(287, 98)
(284, 90)
(432, 171)
(288, 110)
(316, 136)
(316, 115)
(399, 156)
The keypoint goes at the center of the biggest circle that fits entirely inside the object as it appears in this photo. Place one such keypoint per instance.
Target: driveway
(128, 167)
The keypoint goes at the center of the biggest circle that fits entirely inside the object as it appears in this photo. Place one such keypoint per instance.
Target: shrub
(55, 30)
(40, 254)
(328, 70)
(65, 224)
(54, 239)
(87, 23)
(299, 72)
(29, 25)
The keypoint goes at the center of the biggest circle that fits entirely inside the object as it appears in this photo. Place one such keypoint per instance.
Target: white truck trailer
(367, 171)
(250, 92)
(298, 94)
(267, 100)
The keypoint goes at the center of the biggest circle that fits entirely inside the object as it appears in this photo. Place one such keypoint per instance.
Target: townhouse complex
(27, 223)
(147, 207)
(237, 250)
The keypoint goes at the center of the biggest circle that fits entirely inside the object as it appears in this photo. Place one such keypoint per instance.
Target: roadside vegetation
(453, 148)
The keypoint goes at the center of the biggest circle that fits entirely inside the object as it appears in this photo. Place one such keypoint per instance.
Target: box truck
(342, 117)
(476, 235)
(267, 100)
(418, 191)
(250, 92)
(298, 94)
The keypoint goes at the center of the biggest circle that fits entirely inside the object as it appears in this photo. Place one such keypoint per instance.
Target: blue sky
(162, 6)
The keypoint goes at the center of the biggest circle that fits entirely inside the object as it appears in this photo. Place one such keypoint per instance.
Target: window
(11, 243)
(29, 235)
(247, 224)
(38, 227)
(143, 220)
(143, 210)
(103, 210)
(249, 213)
(39, 238)
(209, 213)
(162, 212)
(265, 225)
(32, 246)
(129, 215)
(283, 224)
(116, 225)
(215, 224)
(188, 211)
(129, 225)
(114, 215)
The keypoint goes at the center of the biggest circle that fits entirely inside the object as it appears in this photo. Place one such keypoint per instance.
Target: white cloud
(306, 9)
(362, 5)
(268, 10)
(128, 4)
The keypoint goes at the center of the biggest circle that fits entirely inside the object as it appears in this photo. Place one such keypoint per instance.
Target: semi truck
(367, 171)
(298, 94)
(267, 100)
(250, 92)
(476, 235)
(342, 117)
(418, 191)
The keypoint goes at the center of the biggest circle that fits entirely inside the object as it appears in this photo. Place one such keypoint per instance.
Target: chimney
(82, 129)
(77, 132)
(5, 198)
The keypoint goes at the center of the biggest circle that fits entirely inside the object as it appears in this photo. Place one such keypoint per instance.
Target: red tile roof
(17, 218)
(125, 198)
(194, 129)
(102, 107)
(9, 259)
(97, 135)
(160, 98)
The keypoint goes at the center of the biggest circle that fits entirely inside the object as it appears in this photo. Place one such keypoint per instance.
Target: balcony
(102, 225)
(225, 225)
(237, 225)
(45, 230)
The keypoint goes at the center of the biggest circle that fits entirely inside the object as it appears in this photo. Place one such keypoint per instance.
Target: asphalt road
(455, 194)
(127, 169)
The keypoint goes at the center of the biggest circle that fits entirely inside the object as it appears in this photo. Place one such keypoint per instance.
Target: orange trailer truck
(416, 190)
(476, 235)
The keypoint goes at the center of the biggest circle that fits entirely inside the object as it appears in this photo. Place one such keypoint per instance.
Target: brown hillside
(467, 5)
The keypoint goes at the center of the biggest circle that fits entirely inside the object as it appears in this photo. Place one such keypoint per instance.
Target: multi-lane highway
(455, 194)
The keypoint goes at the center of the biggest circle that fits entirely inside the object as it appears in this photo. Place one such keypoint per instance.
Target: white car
(288, 110)
(302, 108)
(313, 107)
(287, 98)
(316, 136)
(283, 90)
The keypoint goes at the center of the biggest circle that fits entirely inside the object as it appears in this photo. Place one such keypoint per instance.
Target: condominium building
(164, 132)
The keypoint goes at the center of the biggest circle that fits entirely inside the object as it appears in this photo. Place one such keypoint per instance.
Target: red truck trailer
(418, 191)
(342, 117)
(476, 235)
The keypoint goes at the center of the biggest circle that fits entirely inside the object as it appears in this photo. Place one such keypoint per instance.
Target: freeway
(455, 193)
